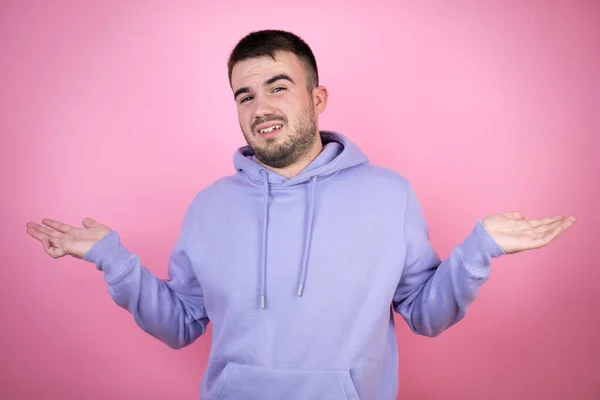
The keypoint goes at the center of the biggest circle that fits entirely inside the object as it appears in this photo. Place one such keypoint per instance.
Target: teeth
(271, 129)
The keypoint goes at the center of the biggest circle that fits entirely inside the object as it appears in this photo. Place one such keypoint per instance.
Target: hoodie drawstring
(307, 241)
(311, 212)
(263, 273)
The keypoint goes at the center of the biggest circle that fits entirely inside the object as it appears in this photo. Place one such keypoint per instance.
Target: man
(300, 257)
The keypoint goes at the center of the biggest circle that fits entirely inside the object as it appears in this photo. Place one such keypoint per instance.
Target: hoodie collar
(338, 153)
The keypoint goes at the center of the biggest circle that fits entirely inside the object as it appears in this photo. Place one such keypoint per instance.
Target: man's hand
(514, 234)
(64, 239)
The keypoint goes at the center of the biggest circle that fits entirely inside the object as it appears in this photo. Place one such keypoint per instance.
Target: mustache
(267, 119)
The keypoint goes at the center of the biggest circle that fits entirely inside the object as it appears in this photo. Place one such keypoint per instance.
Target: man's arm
(171, 310)
(433, 294)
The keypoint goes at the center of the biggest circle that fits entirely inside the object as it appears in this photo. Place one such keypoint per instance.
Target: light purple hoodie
(299, 278)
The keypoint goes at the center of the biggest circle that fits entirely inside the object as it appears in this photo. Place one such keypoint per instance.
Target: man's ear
(320, 95)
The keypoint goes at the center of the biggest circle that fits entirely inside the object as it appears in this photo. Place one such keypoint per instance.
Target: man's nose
(263, 108)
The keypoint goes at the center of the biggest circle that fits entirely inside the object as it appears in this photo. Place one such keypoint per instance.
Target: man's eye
(245, 98)
(277, 89)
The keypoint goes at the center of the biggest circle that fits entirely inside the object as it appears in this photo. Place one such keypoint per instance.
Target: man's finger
(542, 229)
(45, 230)
(47, 247)
(36, 233)
(534, 223)
(53, 248)
(552, 234)
(54, 241)
(59, 226)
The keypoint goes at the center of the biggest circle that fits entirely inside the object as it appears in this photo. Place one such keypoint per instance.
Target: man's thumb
(515, 215)
(89, 223)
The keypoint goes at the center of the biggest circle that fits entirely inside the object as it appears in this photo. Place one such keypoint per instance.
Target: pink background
(122, 112)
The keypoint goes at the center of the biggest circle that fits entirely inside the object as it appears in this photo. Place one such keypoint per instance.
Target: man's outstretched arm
(434, 294)
(171, 310)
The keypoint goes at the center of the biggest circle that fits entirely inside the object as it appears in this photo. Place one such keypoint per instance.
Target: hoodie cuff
(479, 247)
(109, 255)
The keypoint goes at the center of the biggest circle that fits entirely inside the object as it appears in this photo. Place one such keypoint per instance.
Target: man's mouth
(271, 129)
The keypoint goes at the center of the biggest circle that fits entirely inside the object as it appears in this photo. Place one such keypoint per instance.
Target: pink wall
(122, 112)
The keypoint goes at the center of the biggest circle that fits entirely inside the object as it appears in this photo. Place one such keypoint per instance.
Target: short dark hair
(267, 43)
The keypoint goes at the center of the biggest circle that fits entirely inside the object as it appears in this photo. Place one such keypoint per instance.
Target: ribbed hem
(109, 255)
(479, 247)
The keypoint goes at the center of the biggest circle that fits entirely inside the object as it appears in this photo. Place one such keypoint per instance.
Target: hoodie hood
(338, 153)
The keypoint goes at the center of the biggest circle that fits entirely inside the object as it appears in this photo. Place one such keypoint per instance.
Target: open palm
(513, 233)
(59, 239)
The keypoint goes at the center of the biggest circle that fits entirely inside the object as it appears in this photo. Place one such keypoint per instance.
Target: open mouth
(272, 130)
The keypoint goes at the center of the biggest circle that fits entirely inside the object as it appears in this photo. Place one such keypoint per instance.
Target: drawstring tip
(262, 301)
(300, 289)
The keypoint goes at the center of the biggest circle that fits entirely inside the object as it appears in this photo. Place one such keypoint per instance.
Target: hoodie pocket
(249, 382)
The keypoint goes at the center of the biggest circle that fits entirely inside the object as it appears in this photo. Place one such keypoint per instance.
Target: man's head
(274, 78)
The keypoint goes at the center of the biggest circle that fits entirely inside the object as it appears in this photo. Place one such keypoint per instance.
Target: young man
(300, 257)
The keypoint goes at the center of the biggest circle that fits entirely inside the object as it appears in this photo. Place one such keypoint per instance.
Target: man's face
(276, 112)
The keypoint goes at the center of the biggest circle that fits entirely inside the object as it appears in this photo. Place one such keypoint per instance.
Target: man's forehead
(257, 70)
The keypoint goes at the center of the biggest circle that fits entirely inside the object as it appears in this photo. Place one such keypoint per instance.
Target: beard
(298, 142)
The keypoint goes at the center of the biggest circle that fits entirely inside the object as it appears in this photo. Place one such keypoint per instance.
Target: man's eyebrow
(240, 91)
(278, 77)
(267, 82)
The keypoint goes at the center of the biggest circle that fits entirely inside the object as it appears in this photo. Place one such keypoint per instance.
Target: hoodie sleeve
(171, 310)
(432, 294)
